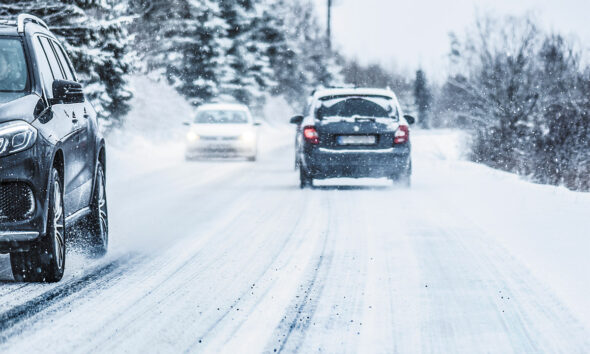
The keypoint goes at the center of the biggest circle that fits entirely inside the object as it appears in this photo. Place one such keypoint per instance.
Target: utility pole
(329, 26)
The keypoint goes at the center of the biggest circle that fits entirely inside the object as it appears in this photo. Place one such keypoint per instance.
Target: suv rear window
(356, 106)
(13, 66)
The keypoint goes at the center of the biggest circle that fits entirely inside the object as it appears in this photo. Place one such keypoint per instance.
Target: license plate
(356, 140)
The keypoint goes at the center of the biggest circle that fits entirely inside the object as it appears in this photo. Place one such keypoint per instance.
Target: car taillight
(402, 135)
(311, 135)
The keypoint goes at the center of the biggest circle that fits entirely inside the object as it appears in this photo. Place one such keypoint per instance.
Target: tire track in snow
(166, 288)
(38, 303)
(267, 282)
(462, 258)
(290, 333)
(245, 292)
(165, 279)
(11, 319)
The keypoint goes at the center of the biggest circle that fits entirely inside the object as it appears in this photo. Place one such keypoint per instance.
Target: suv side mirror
(297, 120)
(411, 120)
(67, 92)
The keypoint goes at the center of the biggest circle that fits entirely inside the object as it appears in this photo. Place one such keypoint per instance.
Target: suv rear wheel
(93, 231)
(98, 222)
(46, 260)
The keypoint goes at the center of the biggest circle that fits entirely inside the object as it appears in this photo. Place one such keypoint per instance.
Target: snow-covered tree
(422, 99)
(248, 74)
(299, 56)
(526, 97)
(94, 33)
(184, 41)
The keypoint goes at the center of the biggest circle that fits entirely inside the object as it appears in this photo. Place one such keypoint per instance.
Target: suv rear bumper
(331, 163)
(28, 168)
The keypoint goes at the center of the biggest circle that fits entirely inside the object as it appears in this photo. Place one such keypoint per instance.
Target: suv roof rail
(24, 18)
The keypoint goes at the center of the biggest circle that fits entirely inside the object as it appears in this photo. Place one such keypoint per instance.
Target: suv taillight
(311, 135)
(402, 135)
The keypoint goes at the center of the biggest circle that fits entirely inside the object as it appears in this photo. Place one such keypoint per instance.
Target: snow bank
(545, 227)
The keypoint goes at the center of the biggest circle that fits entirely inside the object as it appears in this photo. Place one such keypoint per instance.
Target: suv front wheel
(45, 262)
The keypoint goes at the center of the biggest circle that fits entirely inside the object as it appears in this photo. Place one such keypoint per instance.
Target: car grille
(16, 202)
(220, 138)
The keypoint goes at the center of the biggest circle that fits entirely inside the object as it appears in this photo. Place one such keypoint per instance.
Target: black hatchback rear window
(356, 106)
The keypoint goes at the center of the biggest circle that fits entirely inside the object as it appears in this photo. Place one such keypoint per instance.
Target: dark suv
(353, 132)
(52, 156)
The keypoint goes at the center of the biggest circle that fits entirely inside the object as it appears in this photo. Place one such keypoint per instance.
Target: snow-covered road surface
(231, 256)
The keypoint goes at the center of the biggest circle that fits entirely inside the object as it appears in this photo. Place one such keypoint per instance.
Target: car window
(351, 106)
(221, 117)
(13, 66)
(65, 64)
(53, 63)
(44, 67)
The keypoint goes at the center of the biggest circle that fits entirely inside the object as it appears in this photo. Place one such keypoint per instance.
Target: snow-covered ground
(230, 256)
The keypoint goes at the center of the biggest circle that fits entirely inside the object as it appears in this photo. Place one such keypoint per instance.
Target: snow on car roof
(223, 107)
(354, 91)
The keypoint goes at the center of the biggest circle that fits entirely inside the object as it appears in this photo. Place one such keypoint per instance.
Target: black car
(52, 156)
(353, 133)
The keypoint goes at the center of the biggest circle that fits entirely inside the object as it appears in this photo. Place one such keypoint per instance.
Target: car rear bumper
(331, 163)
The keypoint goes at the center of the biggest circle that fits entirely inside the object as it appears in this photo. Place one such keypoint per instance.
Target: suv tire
(98, 220)
(45, 262)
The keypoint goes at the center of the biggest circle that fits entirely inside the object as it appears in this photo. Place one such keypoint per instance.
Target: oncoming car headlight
(16, 137)
(248, 137)
(192, 136)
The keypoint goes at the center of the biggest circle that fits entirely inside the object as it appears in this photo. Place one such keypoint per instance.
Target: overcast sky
(414, 33)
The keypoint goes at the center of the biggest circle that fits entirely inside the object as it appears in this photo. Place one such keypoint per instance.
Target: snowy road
(233, 257)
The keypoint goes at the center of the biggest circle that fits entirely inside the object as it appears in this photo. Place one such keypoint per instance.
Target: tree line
(240, 50)
(205, 49)
(525, 95)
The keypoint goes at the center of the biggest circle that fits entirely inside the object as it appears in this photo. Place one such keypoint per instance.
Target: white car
(222, 130)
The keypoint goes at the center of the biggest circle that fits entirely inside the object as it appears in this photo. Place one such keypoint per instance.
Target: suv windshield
(13, 67)
(357, 106)
(221, 117)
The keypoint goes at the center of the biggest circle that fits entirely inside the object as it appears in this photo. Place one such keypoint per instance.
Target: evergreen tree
(422, 99)
(243, 49)
(248, 72)
(185, 42)
(94, 33)
(301, 61)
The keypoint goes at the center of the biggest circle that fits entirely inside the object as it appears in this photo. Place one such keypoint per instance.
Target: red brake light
(402, 135)
(311, 135)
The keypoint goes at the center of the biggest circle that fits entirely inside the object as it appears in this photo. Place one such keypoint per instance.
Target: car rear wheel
(98, 220)
(46, 260)
(305, 180)
(404, 178)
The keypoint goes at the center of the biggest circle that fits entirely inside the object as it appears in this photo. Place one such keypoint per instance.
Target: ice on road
(231, 256)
